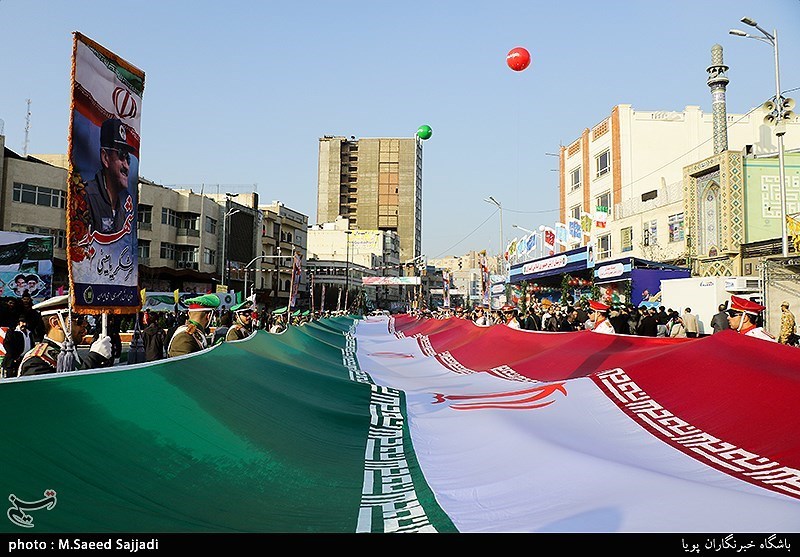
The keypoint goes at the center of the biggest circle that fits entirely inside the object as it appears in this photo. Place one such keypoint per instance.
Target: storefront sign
(610, 271)
(544, 265)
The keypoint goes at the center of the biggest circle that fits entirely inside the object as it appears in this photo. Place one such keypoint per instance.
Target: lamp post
(257, 258)
(347, 270)
(497, 204)
(779, 112)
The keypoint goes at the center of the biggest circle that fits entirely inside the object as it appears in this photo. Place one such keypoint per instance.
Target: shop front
(634, 281)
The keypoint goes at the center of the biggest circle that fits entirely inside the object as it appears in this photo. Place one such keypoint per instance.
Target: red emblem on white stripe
(536, 397)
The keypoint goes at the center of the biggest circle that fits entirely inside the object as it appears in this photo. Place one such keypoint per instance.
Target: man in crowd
(191, 337)
(788, 327)
(243, 321)
(720, 320)
(598, 315)
(510, 316)
(480, 317)
(17, 343)
(689, 323)
(152, 338)
(743, 318)
(43, 358)
(648, 324)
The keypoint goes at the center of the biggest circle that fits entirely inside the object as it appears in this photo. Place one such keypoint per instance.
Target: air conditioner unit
(742, 284)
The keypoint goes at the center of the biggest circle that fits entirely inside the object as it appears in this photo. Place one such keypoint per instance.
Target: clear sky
(238, 93)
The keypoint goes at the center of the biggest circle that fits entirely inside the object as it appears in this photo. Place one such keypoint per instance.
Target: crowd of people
(43, 338)
(740, 314)
(39, 336)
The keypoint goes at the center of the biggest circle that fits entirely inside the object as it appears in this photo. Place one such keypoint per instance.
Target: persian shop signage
(610, 271)
(544, 265)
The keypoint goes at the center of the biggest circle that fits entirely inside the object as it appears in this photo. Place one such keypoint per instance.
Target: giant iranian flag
(404, 425)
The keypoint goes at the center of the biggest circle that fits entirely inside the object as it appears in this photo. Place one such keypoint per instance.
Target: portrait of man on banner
(102, 195)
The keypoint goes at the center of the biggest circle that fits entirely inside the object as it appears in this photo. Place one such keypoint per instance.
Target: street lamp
(347, 271)
(256, 258)
(779, 112)
(496, 203)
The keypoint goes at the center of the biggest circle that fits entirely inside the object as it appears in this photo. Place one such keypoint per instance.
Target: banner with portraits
(102, 189)
(26, 266)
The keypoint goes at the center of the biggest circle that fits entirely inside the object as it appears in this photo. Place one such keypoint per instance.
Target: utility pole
(27, 130)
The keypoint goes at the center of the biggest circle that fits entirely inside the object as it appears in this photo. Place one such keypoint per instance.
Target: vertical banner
(322, 300)
(103, 182)
(311, 288)
(601, 216)
(339, 301)
(297, 272)
(485, 280)
(574, 231)
(549, 242)
(446, 288)
(562, 234)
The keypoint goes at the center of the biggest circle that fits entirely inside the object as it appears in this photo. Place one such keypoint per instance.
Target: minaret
(717, 82)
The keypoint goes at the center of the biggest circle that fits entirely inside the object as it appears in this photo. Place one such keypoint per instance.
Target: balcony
(145, 225)
(188, 232)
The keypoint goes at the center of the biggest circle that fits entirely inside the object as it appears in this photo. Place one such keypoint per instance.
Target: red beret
(508, 307)
(745, 305)
(597, 306)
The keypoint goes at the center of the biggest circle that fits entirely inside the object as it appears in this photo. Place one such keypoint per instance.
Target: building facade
(181, 233)
(375, 184)
(632, 162)
(376, 251)
(284, 232)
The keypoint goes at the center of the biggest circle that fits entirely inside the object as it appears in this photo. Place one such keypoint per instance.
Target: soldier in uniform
(598, 315)
(43, 358)
(510, 316)
(243, 321)
(191, 336)
(743, 318)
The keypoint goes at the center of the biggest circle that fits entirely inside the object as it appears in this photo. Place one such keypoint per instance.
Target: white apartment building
(632, 162)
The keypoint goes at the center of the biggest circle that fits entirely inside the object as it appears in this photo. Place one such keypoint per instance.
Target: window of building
(187, 255)
(676, 233)
(575, 179)
(144, 249)
(575, 212)
(650, 233)
(276, 230)
(626, 239)
(603, 247)
(209, 256)
(189, 221)
(145, 215)
(211, 225)
(167, 251)
(170, 217)
(39, 195)
(604, 201)
(603, 163)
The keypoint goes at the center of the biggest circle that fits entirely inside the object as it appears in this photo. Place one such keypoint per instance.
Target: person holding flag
(191, 336)
(57, 352)
(598, 315)
(743, 317)
(243, 321)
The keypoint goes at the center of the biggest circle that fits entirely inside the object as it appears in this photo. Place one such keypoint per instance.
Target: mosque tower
(717, 82)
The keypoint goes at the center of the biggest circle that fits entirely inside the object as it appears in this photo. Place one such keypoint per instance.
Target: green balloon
(424, 132)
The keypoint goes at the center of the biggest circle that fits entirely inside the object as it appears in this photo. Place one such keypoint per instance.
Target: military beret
(206, 302)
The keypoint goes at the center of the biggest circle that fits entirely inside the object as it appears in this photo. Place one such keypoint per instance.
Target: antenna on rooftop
(27, 129)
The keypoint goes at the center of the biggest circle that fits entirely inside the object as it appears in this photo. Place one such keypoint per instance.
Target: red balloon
(518, 59)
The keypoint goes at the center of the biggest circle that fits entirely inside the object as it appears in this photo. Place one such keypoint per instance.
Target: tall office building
(374, 183)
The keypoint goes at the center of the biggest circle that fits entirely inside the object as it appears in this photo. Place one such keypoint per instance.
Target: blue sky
(238, 93)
